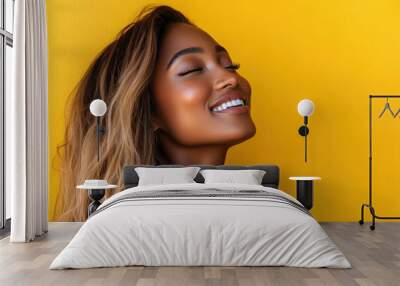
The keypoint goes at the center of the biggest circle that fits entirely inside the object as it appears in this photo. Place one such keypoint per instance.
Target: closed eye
(233, 66)
(230, 67)
(190, 71)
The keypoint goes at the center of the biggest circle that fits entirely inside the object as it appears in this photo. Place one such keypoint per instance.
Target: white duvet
(205, 231)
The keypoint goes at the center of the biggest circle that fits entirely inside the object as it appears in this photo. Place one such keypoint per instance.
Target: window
(6, 62)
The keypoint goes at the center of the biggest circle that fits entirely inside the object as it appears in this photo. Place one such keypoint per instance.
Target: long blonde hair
(120, 75)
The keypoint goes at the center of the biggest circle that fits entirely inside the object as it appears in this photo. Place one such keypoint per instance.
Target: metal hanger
(387, 107)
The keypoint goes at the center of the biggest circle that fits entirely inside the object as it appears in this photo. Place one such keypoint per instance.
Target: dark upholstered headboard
(270, 179)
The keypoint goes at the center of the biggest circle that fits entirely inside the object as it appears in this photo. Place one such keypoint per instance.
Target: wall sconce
(305, 109)
(97, 188)
(98, 108)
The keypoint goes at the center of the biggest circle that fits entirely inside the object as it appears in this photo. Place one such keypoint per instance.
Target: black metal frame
(370, 204)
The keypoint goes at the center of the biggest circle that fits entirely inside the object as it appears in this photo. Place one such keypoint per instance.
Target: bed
(199, 224)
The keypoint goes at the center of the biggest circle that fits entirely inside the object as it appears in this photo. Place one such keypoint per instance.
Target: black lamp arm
(100, 130)
(303, 131)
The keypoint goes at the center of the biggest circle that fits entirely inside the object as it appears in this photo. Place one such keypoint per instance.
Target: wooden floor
(375, 257)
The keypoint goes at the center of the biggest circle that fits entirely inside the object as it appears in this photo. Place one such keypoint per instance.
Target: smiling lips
(230, 103)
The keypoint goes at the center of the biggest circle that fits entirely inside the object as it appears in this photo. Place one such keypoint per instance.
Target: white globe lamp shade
(98, 107)
(305, 107)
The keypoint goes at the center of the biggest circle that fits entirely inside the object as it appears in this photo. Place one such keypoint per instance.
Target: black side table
(96, 191)
(95, 195)
(304, 190)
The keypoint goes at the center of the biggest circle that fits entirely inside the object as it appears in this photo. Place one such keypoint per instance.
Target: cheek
(189, 96)
(183, 106)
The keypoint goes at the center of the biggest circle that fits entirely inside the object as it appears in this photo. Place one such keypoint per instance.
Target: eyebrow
(218, 49)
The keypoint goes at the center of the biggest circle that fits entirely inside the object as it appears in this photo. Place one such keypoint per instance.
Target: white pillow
(248, 177)
(162, 176)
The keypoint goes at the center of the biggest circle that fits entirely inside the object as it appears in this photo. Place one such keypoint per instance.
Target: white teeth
(229, 104)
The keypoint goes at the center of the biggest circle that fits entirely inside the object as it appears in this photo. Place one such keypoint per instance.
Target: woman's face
(200, 98)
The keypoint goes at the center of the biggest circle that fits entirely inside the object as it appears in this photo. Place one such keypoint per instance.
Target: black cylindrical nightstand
(96, 190)
(95, 195)
(305, 190)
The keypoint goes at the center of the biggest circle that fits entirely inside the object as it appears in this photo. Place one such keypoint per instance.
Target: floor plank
(375, 257)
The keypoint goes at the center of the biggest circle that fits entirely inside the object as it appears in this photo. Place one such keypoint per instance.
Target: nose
(226, 79)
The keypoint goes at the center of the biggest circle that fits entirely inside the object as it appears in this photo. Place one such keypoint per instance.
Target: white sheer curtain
(26, 124)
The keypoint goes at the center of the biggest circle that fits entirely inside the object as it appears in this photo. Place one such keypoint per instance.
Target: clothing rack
(370, 204)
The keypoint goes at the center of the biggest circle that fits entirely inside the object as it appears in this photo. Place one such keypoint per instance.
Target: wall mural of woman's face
(200, 99)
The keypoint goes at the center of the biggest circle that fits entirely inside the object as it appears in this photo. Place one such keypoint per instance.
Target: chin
(241, 135)
(225, 135)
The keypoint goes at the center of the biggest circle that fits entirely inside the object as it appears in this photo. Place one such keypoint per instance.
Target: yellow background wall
(333, 52)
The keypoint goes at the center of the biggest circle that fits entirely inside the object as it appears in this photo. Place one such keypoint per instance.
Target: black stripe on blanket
(205, 193)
